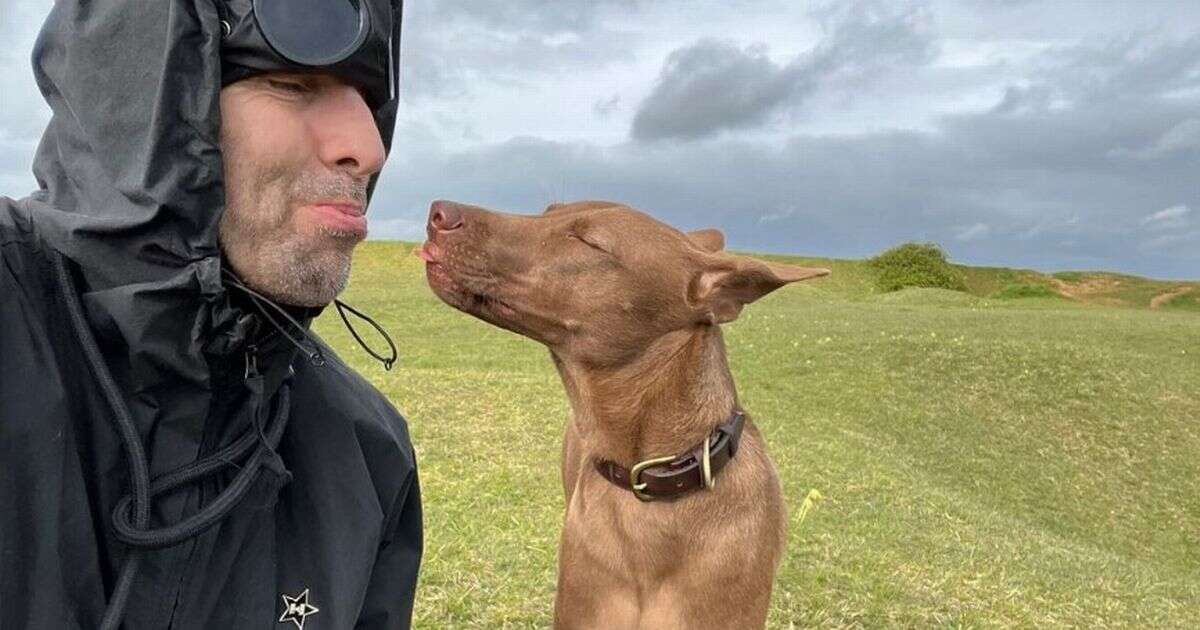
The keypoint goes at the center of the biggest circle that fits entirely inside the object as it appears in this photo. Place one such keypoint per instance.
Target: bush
(1018, 290)
(1069, 276)
(916, 265)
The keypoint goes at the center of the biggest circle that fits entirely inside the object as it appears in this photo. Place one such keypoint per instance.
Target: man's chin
(307, 278)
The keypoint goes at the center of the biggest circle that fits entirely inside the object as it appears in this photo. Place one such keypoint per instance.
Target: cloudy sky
(1045, 134)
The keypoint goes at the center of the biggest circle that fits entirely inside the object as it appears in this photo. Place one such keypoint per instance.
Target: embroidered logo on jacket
(297, 609)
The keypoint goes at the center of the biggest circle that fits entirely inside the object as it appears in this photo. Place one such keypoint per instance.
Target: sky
(1051, 135)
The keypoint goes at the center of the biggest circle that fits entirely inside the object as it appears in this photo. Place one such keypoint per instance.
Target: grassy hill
(854, 279)
(984, 461)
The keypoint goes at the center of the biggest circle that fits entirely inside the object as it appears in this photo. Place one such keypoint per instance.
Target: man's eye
(294, 87)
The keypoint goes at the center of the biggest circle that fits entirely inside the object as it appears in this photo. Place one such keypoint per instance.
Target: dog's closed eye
(590, 242)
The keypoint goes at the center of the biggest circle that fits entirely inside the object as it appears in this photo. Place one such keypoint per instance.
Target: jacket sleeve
(389, 600)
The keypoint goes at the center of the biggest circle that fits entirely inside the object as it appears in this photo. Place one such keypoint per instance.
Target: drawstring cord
(135, 455)
(228, 498)
(313, 350)
(342, 307)
(131, 517)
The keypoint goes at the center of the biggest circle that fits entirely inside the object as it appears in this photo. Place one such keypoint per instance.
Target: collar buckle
(635, 475)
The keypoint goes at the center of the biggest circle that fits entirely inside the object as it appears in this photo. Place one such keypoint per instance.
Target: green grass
(984, 463)
(1025, 290)
(1070, 276)
(1186, 302)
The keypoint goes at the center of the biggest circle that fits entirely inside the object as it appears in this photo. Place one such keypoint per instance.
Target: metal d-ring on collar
(635, 474)
(684, 473)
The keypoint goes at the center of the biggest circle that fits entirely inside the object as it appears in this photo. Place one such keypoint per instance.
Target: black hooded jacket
(115, 316)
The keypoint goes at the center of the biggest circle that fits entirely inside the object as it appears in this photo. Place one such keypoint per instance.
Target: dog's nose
(445, 216)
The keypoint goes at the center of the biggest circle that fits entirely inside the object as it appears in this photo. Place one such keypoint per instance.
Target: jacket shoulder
(15, 223)
(333, 401)
(341, 383)
(23, 260)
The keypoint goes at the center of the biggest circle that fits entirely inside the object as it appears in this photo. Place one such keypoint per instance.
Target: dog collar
(664, 478)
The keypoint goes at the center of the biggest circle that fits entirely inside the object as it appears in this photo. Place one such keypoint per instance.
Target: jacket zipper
(207, 448)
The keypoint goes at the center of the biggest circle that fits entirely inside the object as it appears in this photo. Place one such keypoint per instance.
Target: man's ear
(727, 283)
(710, 240)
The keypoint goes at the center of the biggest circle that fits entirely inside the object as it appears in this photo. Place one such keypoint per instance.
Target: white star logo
(297, 609)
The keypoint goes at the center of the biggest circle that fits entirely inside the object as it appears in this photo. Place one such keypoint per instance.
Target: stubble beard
(263, 246)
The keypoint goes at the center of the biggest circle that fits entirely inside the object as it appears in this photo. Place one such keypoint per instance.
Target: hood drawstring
(313, 350)
(131, 517)
(342, 307)
(135, 454)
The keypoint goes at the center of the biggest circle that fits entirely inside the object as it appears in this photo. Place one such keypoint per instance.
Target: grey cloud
(1181, 138)
(605, 107)
(1169, 218)
(711, 86)
(16, 171)
(21, 17)
(23, 114)
(973, 232)
(869, 34)
(1038, 181)
(452, 46)
(541, 15)
(846, 196)
(1130, 67)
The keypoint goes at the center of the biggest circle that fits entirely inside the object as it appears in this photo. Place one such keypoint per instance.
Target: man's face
(298, 151)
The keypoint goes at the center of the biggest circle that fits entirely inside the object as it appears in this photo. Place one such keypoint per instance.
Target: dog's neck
(662, 403)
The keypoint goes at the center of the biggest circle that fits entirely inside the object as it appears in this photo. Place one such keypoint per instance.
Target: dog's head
(595, 281)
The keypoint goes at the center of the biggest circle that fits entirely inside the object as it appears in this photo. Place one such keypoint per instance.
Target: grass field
(984, 462)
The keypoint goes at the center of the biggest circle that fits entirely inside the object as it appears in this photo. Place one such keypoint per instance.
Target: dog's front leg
(588, 596)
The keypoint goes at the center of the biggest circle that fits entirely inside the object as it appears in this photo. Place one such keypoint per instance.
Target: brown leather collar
(673, 476)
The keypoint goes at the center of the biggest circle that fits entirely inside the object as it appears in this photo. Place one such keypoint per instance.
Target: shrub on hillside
(1018, 290)
(1069, 276)
(916, 265)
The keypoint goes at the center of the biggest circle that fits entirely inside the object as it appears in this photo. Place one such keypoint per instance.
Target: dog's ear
(726, 283)
(710, 240)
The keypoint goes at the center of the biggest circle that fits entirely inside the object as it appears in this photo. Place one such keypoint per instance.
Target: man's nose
(349, 139)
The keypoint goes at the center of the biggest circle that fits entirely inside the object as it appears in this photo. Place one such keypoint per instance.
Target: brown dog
(630, 309)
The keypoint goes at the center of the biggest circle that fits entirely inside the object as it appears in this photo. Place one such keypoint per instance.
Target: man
(177, 450)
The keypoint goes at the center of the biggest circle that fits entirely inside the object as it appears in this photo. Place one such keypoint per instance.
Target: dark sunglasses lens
(313, 32)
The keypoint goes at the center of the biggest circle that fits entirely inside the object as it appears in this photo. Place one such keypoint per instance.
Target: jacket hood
(129, 168)
(131, 193)
(130, 178)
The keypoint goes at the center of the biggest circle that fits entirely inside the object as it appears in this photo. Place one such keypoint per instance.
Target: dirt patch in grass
(1088, 287)
(1163, 298)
